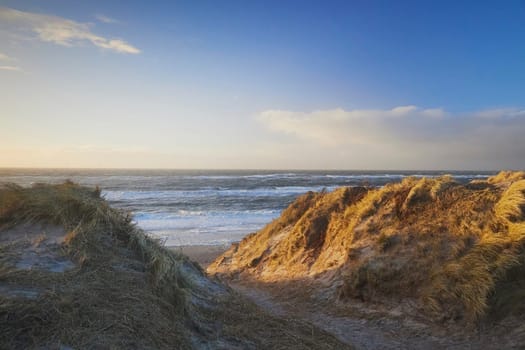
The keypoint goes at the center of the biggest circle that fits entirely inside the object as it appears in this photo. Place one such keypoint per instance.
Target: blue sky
(241, 84)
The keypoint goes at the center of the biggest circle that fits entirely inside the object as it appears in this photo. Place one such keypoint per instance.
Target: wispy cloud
(106, 149)
(11, 68)
(408, 132)
(62, 31)
(4, 57)
(105, 19)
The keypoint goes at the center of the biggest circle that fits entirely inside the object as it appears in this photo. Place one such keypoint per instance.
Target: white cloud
(337, 126)
(62, 31)
(11, 68)
(492, 138)
(105, 19)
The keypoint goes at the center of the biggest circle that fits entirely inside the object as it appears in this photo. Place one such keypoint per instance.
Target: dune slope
(76, 273)
(455, 251)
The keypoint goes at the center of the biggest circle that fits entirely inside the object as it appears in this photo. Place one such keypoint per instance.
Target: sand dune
(77, 274)
(435, 250)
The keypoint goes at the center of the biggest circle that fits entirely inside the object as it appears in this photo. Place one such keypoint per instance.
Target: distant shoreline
(211, 207)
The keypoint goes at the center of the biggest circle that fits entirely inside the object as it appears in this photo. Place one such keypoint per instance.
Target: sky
(263, 84)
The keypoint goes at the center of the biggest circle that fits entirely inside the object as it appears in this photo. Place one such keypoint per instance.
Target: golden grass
(506, 176)
(447, 245)
(512, 203)
(472, 279)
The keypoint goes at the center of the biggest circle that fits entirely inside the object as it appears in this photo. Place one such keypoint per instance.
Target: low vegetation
(455, 250)
(76, 273)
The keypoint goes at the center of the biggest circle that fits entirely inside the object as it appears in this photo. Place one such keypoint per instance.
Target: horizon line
(251, 169)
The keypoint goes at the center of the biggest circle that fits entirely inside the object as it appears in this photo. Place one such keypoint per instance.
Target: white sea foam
(203, 193)
(198, 227)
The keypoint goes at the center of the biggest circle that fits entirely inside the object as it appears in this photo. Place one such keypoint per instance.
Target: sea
(211, 207)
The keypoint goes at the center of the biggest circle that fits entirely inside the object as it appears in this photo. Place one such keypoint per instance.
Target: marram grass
(125, 291)
(453, 248)
(125, 284)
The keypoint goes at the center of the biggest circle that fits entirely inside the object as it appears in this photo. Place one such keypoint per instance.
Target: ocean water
(192, 207)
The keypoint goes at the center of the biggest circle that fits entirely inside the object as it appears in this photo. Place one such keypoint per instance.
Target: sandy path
(363, 333)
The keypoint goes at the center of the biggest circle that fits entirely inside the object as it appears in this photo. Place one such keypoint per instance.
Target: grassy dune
(119, 288)
(456, 250)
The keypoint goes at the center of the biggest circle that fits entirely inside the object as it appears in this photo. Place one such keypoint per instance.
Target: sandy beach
(202, 254)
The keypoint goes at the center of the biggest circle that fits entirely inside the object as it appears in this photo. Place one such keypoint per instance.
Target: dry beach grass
(77, 273)
(455, 251)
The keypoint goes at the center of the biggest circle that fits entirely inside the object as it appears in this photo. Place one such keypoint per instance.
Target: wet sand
(202, 254)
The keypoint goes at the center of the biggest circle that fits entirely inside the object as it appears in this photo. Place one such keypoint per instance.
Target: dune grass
(452, 247)
(129, 295)
(469, 283)
(125, 290)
